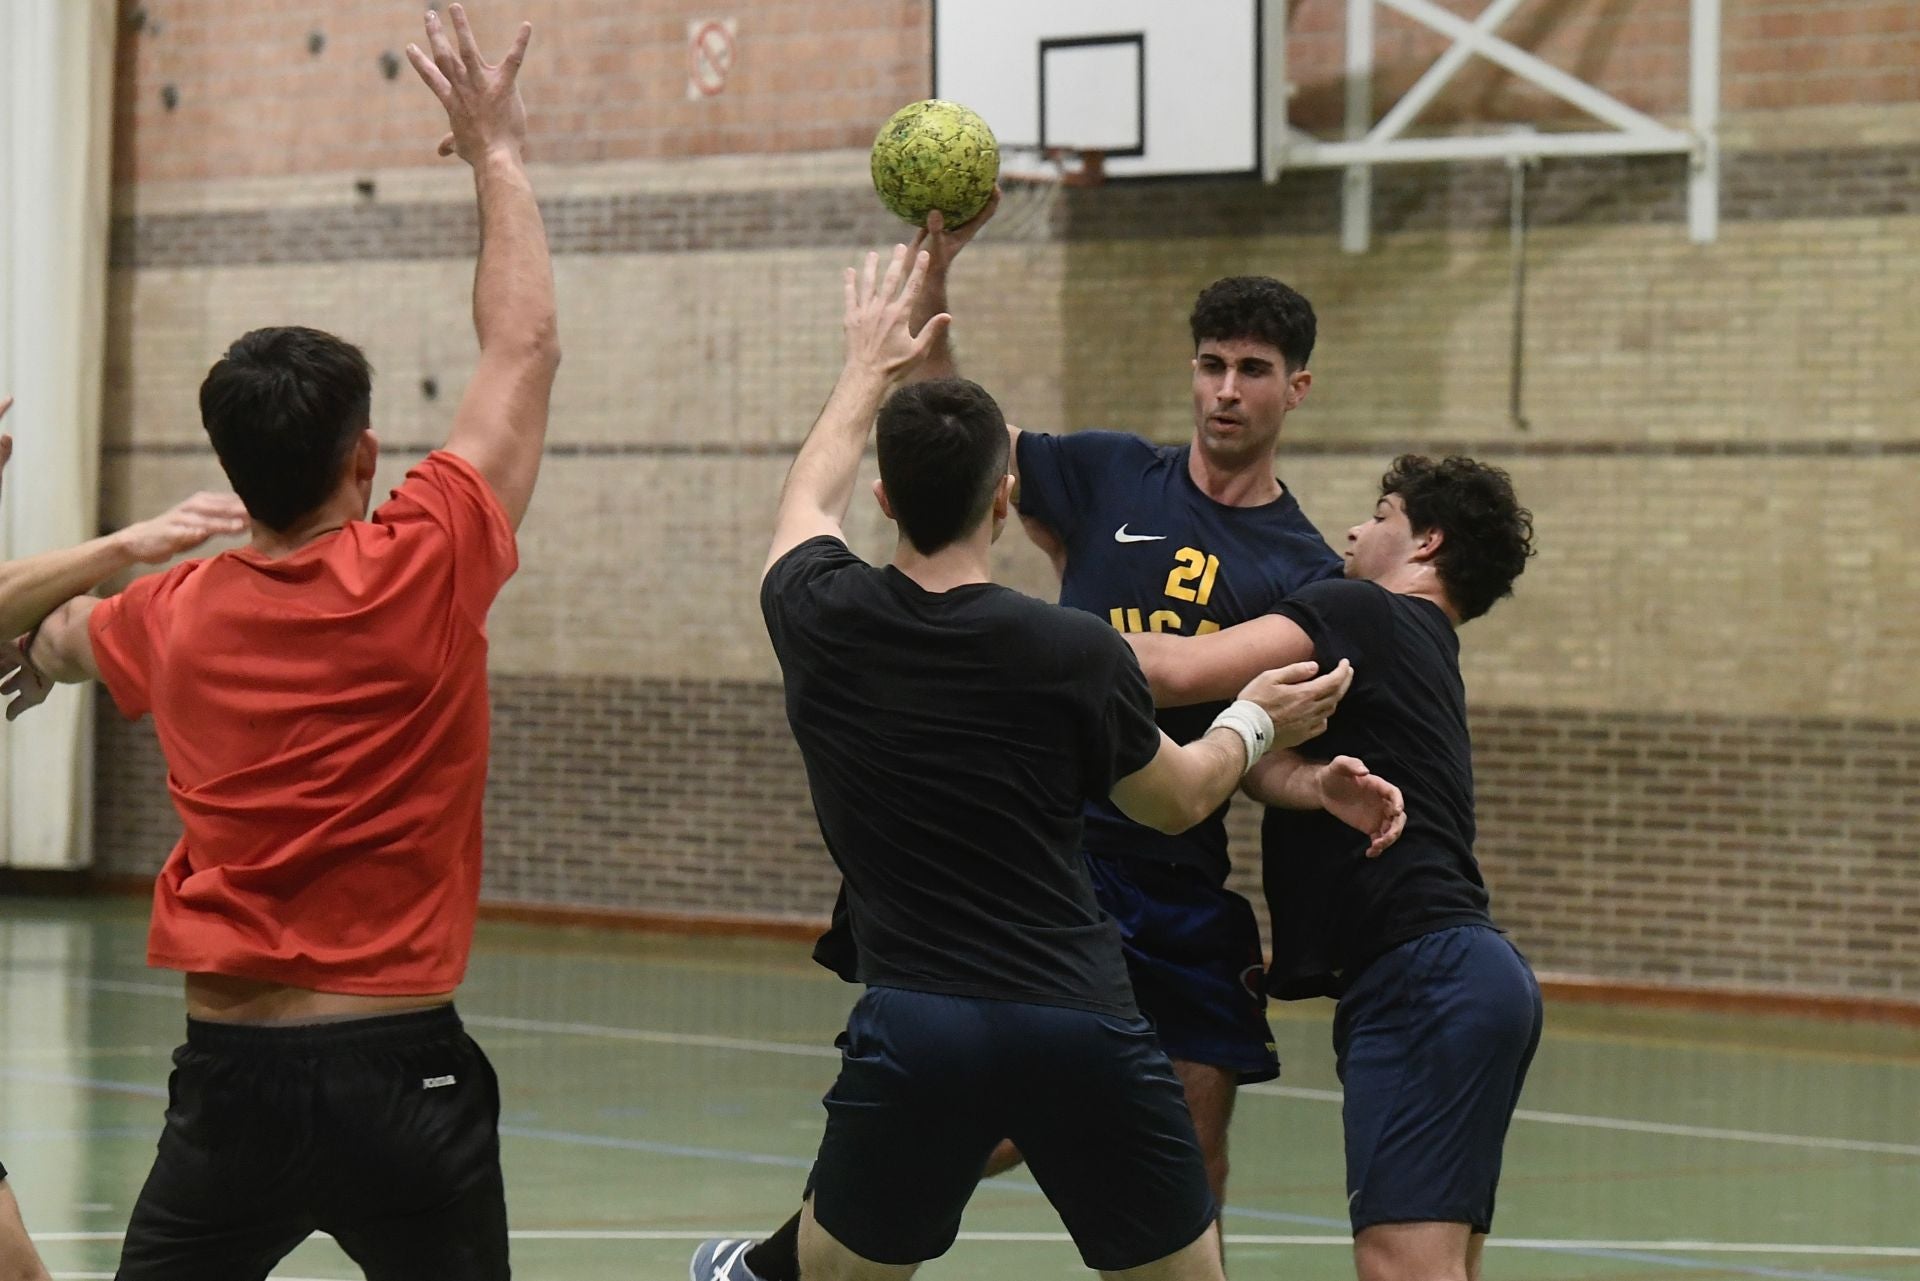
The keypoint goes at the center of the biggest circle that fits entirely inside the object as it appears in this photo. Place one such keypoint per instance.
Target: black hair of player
(284, 408)
(1487, 534)
(943, 449)
(1257, 307)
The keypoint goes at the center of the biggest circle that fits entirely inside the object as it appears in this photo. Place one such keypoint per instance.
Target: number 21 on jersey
(1191, 580)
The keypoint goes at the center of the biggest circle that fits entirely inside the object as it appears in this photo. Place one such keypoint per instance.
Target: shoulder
(1338, 593)
(443, 486)
(1338, 603)
(1094, 444)
(808, 566)
(156, 588)
(1072, 643)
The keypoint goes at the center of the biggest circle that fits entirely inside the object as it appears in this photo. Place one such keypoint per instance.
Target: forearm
(62, 650)
(513, 301)
(1286, 780)
(1183, 784)
(1213, 765)
(932, 301)
(31, 587)
(822, 476)
(1205, 669)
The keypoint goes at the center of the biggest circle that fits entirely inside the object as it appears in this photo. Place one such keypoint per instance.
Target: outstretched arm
(501, 425)
(1343, 787)
(1205, 669)
(880, 351)
(34, 585)
(1183, 784)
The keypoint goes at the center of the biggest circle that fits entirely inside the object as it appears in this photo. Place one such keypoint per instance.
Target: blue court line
(1010, 1185)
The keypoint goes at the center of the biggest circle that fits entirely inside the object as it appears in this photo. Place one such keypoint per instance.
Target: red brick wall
(607, 81)
(814, 74)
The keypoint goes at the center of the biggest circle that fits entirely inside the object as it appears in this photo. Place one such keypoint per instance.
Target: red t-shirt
(324, 720)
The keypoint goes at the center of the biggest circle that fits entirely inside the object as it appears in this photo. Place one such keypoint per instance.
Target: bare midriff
(222, 998)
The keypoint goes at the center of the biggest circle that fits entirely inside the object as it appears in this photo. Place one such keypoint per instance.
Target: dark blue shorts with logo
(1193, 951)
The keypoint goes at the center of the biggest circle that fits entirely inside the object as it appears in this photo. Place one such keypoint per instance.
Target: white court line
(801, 1050)
(1836, 1251)
(1640, 1127)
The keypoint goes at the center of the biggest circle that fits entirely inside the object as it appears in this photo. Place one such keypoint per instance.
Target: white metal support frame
(1366, 144)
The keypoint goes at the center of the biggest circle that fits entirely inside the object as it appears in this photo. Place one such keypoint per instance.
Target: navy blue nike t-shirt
(1148, 552)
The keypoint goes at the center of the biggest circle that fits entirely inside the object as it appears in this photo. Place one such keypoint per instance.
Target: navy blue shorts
(929, 1084)
(1193, 952)
(1433, 1042)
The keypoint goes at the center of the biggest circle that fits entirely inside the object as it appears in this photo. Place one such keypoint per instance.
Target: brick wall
(253, 99)
(1641, 846)
(1696, 726)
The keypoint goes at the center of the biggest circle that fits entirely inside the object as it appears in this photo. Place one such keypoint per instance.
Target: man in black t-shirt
(1439, 1015)
(952, 731)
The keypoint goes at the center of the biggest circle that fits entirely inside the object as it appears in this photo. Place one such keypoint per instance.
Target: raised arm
(501, 425)
(1205, 669)
(880, 352)
(1183, 784)
(942, 246)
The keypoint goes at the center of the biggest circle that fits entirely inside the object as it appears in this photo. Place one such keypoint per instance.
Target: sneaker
(721, 1259)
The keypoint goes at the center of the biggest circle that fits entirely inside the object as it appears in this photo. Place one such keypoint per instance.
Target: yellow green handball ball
(935, 155)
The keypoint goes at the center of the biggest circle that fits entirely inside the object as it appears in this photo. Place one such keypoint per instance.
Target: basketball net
(1032, 182)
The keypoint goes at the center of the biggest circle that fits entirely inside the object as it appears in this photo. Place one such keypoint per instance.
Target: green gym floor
(659, 1090)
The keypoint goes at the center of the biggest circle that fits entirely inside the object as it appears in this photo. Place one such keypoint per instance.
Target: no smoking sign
(712, 49)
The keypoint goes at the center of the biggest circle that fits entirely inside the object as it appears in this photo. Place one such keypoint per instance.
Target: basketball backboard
(1159, 88)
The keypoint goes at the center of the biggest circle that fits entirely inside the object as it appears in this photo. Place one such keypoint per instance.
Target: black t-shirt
(951, 740)
(1333, 908)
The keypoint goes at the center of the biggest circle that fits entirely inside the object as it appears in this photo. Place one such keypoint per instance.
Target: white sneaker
(721, 1259)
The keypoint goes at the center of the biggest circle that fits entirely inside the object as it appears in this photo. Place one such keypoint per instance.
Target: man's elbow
(543, 346)
(1172, 815)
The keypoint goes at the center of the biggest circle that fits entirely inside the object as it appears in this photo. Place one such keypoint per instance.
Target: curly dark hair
(1488, 534)
(1257, 307)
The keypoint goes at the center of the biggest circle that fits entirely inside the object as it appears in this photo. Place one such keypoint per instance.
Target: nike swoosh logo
(1121, 535)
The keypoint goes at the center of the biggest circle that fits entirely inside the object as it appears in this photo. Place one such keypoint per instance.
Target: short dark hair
(943, 449)
(1258, 307)
(284, 408)
(1488, 534)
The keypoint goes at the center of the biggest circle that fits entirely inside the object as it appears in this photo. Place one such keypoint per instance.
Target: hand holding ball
(935, 155)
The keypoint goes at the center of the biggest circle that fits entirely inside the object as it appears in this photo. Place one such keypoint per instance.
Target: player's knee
(1401, 1258)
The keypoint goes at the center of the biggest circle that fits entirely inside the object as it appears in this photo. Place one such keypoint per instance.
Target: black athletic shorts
(383, 1132)
(1193, 953)
(929, 1084)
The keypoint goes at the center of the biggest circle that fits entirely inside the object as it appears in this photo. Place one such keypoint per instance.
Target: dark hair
(943, 449)
(284, 408)
(1258, 307)
(1488, 534)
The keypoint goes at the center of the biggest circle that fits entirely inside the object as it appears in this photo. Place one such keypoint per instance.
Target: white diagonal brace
(1436, 77)
(1544, 74)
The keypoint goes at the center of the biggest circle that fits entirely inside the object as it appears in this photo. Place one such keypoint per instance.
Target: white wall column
(56, 117)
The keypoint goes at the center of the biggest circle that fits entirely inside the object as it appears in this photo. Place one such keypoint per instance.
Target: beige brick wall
(1696, 723)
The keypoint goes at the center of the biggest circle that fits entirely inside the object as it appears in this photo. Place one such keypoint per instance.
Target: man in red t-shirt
(320, 696)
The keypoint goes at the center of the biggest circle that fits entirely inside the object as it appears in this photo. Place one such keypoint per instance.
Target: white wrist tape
(1250, 721)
